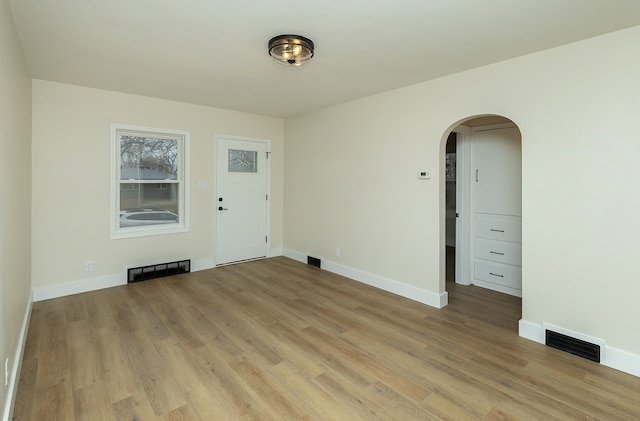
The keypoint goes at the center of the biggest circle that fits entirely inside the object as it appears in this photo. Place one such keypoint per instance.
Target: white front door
(241, 202)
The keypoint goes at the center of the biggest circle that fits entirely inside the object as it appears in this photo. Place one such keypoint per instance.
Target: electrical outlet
(337, 252)
(88, 266)
(6, 372)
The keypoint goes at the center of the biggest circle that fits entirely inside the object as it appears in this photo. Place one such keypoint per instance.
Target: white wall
(15, 197)
(71, 137)
(350, 181)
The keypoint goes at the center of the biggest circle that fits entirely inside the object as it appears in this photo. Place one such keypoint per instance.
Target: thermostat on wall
(424, 175)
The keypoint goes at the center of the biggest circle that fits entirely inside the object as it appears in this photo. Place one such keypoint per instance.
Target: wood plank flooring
(278, 340)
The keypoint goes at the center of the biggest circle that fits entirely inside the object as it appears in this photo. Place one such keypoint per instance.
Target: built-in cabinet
(497, 208)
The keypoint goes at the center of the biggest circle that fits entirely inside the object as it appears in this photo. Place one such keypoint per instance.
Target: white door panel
(241, 200)
(497, 160)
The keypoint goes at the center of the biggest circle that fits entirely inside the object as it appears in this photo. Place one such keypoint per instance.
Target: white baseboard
(203, 264)
(623, 361)
(500, 288)
(416, 294)
(77, 287)
(609, 356)
(101, 282)
(17, 363)
(531, 331)
(275, 252)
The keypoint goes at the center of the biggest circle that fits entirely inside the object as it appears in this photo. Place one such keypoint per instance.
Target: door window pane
(243, 161)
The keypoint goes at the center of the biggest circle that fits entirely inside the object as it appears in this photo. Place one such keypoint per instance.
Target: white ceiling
(214, 52)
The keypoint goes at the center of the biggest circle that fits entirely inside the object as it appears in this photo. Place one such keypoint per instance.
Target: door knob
(221, 208)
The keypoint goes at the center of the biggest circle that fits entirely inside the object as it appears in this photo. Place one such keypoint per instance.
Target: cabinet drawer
(499, 251)
(498, 227)
(498, 273)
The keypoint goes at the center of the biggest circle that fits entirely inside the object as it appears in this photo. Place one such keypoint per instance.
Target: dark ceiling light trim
(291, 50)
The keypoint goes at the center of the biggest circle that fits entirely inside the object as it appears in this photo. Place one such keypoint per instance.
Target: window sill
(135, 232)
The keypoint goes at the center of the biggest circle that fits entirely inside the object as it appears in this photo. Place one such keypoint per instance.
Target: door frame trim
(463, 195)
(214, 234)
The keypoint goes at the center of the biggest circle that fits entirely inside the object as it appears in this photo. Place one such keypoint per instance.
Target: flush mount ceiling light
(291, 50)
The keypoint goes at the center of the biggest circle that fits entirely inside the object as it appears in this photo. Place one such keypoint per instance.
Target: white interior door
(241, 199)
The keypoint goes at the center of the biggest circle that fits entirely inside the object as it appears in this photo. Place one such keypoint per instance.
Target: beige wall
(351, 180)
(15, 193)
(71, 129)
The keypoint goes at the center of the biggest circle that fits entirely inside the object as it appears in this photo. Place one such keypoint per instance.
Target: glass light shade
(291, 50)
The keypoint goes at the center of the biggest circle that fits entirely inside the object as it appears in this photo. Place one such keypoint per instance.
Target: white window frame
(182, 136)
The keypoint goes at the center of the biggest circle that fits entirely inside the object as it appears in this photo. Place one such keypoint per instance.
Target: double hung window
(149, 181)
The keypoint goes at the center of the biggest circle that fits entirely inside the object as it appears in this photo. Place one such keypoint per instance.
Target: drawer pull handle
(495, 274)
(495, 230)
(497, 252)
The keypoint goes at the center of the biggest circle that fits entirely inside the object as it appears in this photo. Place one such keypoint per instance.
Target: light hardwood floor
(278, 340)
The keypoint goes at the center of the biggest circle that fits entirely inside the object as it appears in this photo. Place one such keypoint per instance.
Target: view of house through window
(150, 181)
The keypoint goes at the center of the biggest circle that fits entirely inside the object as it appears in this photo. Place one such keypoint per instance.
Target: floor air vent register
(572, 345)
(160, 270)
(313, 261)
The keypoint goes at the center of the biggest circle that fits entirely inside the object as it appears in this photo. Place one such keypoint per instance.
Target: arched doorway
(481, 159)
